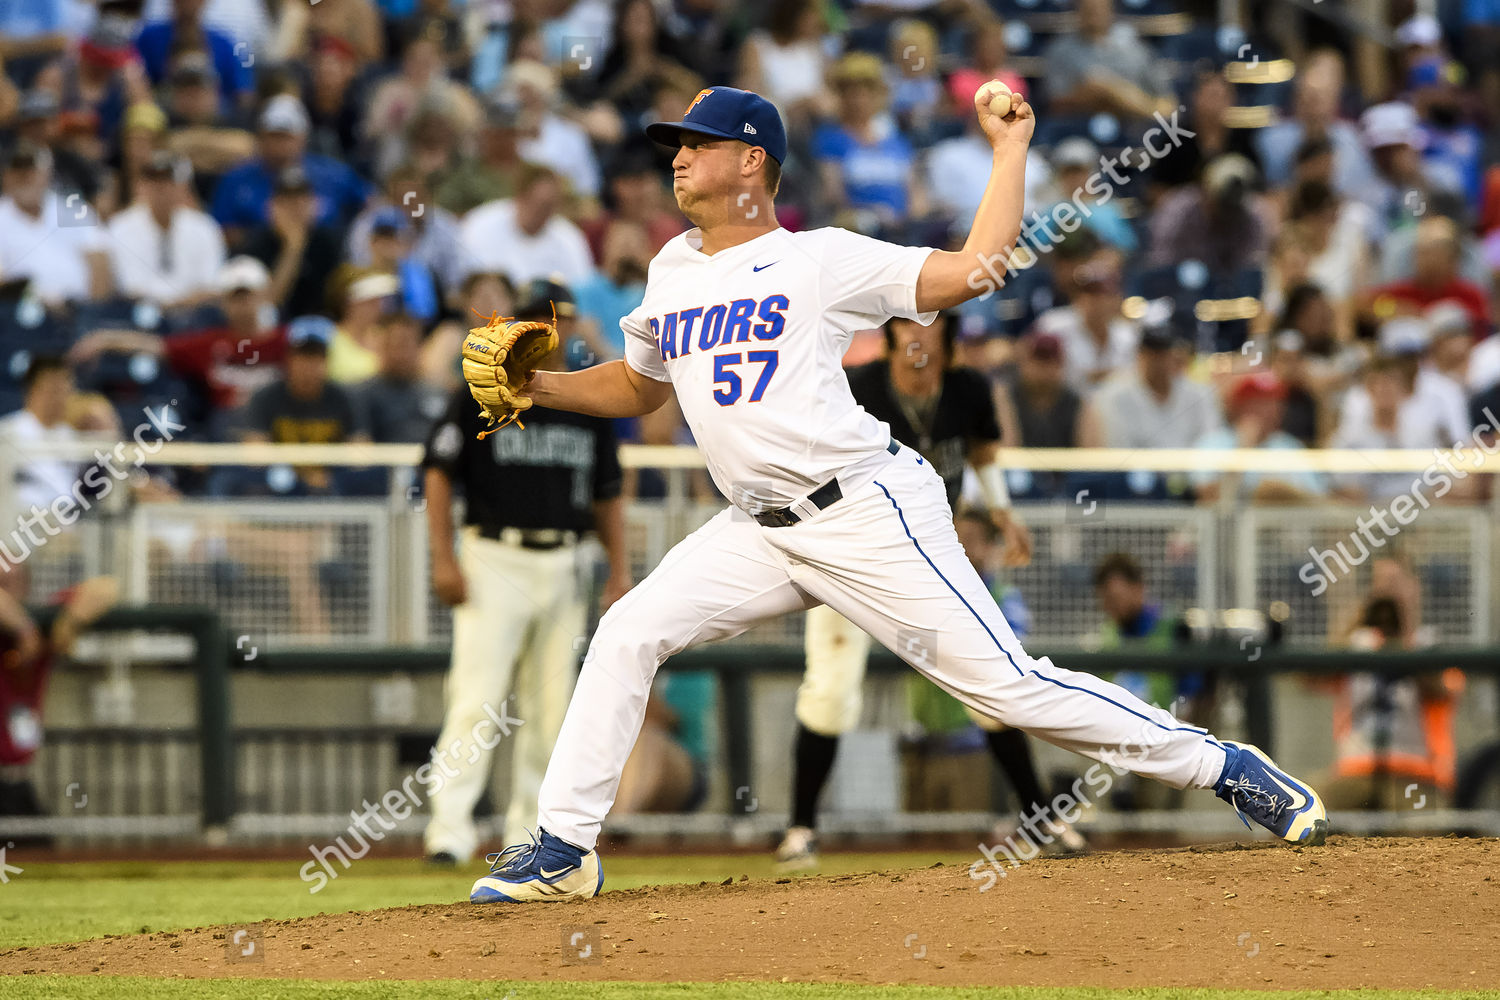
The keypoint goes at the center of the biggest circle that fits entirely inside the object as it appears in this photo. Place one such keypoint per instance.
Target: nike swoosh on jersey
(764, 266)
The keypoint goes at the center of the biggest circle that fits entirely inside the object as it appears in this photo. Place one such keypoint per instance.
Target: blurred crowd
(278, 217)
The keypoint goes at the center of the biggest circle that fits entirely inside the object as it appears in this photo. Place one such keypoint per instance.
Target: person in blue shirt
(241, 197)
(391, 251)
(867, 166)
(615, 289)
(233, 61)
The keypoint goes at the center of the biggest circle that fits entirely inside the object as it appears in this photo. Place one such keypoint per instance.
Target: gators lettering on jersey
(753, 340)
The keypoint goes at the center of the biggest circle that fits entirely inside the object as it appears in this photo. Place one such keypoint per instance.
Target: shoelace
(1253, 796)
(514, 857)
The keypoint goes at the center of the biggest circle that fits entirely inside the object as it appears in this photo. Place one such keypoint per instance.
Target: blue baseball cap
(309, 331)
(727, 113)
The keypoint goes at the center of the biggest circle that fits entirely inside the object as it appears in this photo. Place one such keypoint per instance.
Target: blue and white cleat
(547, 870)
(1261, 791)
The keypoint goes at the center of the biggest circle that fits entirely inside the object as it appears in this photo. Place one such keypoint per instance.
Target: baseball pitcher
(748, 324)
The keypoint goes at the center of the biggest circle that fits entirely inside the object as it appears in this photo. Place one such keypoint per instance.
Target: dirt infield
(1377, 912)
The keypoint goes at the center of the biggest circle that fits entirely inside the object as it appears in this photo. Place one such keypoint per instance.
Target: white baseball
(1000, 97)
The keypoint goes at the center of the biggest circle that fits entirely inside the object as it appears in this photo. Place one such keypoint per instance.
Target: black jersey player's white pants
(886, 557)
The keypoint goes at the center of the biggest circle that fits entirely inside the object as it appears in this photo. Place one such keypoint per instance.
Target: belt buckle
(779, 518)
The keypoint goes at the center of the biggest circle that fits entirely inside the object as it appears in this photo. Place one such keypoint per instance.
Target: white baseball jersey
(753, 339)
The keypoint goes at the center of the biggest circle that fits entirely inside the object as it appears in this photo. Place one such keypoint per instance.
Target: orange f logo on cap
(701, 95)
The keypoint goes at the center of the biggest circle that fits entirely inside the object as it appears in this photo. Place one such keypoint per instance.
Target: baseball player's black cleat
(1261, 791)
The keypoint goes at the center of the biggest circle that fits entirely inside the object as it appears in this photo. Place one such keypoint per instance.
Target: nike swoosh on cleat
(1299, 800)
(764, 266)
(546, 874)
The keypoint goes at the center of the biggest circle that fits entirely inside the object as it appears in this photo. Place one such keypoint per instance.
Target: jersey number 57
(728, 386)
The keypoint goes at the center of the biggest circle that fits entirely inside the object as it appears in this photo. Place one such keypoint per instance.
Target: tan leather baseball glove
(499, 359)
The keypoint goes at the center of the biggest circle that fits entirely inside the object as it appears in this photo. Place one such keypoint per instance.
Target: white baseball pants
(514, 652)
(886, 557)
(831, 694)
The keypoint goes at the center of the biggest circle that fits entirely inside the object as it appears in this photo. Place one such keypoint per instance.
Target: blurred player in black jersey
(516, 585)
(948, 415)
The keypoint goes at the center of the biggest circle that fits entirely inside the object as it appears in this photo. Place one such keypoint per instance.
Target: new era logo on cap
(727, 113)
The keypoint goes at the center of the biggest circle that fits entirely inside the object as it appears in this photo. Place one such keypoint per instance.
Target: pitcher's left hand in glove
(499, 359)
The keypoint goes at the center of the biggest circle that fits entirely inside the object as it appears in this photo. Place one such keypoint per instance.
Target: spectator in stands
(1441, 400)
(60, 249)
(1452, 342)
(1315, 115)
(1216, 221)
(227, 362)
(1399, 190)
(233, 61)
(1386, 422)
(1038, 409)
(364, 296)
(1074, 161)
(213, 142)
(918, 98)
(1398, 247)
(1207, 135)
(786, 62)
(1156, 405)
(164, 249)
(1451, 146)
(399, 407)
(1435, 279)
(640, 47)
(304, 407)
(1105, 67)
(1305, 412)
(617, 288)
(494, 172)
(103, 75)
(865, 165)
(1255, 407)
(420, 84)
(39, 123)
(482, 294)
(526, 237)
(635, 193)
(1333, 234)
(300, 252)
(242, 200)
(333, 101)
(357, 23)
(391, 252)
(1097, 338)
(551, 139)
(435, 241)
(42, 419)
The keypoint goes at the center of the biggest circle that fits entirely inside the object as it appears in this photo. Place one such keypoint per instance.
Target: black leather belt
(822, 498)
(530, 538)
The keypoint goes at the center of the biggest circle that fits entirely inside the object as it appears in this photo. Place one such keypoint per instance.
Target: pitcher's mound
(1376, 913)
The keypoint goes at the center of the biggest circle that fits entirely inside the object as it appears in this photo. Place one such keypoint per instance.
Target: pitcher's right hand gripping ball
(499, 358)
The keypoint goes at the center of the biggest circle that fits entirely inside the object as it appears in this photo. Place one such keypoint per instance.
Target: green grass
(111, 988)
(53, 903)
